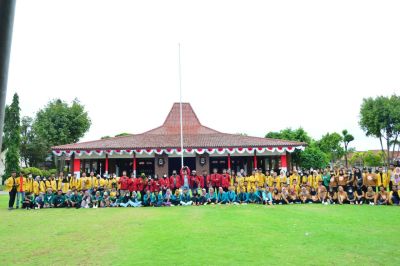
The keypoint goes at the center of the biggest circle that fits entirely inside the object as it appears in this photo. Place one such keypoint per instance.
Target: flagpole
(180, 101)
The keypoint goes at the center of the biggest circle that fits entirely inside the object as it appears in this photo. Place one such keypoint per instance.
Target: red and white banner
(177, 151)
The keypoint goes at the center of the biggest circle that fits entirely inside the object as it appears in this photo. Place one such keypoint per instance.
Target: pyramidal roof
(195, 135)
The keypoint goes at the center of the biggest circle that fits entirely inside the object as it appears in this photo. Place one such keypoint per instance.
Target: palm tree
(347, 138)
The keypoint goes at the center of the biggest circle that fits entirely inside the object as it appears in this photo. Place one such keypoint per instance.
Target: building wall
(199, 167)
(161, 170)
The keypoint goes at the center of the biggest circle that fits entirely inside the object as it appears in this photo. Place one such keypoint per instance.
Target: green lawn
(299, 234)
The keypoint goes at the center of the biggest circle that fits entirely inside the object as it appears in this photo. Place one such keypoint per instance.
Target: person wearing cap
(185, 199)
(12, 186)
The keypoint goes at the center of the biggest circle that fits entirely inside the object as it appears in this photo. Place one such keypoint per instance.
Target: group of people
(326, 186)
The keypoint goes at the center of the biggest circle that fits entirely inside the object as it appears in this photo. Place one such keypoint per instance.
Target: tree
(347, 138)
(313, 157)
(372, 159)
(330, 143)
(294, 135)
(58, 123)
(34, 150)
(380, 118)
(105, 137)
(357, 158)
(12, 137)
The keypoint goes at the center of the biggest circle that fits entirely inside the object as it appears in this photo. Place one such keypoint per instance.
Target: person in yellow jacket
(294, 176)
(42, 185)
(240, 179)
(90, 181)
(250, 181)
(316, 179)
(75, 183)
(259, 177)
(85, 182)
(29, 184)
(36, 185)
(12, 186)
(382, 178)
(51, 183)
(64, 182)
(283, 178)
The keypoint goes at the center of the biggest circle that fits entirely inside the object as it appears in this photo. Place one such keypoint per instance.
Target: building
(158, 151)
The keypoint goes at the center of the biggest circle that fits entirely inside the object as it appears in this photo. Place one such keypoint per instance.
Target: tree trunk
(345, 154)
(388, 151)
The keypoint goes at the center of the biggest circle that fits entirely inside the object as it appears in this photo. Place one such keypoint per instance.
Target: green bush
(49, 172)
(31, 170)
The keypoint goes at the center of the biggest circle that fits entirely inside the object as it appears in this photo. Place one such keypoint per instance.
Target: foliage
(12, 137)
(380, 118)
(313, 157)
(294, 135)
(123, 134)
(105, 137)
(58, 123)
(330, 143)
(32, 170)
(347, 138)
(372, 159)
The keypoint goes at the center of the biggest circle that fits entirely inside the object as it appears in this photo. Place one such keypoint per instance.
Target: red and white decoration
(239, 150)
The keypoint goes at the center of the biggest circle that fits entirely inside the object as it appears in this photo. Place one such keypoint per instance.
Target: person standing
(22, 185)
(12, 185)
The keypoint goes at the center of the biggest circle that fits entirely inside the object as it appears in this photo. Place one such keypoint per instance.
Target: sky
(247, 66)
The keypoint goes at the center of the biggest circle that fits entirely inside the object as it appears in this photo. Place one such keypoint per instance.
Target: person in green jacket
(76, 199)
(48, 199)
(252, 196)
(326, 177)
(59, 200)
(211, 197)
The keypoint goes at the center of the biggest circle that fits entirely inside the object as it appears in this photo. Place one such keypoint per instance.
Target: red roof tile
(195, 135)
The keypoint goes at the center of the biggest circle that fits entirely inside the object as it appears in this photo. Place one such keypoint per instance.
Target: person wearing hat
(12, 186)
(185, 199)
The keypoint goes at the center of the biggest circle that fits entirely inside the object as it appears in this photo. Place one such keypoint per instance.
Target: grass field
(205, 235)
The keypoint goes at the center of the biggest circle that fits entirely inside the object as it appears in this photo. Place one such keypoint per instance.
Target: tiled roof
(195, 135)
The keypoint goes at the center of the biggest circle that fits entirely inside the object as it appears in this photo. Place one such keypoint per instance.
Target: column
(77, 167)
(255, 160)
(134, 164)
(284, 162)
(106, 165)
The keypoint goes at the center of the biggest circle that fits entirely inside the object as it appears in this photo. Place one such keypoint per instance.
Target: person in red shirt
(185, 176)
(124, 182)
(140, 184)
(215, 179)
(205, 181)
(225, 180)
(164, 182)
(194, 181)
(131, 184)
(155, 184)
(174, 181)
